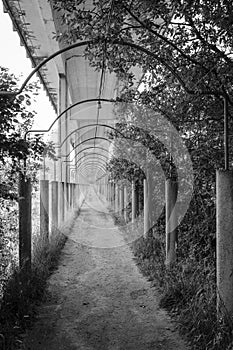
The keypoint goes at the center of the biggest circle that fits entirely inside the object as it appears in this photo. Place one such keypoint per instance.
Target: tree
(183, 49)
(16, 118)
(188, 42)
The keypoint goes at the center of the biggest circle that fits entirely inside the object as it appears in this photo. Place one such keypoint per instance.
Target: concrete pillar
(25, 223)
(224, 238)
(72, 196)
(140, 201)
(125, 204)
(134, 201)
(105, 188)
(64, 199)
(146, 207)
(61, 203)
(76, 195)
(121, 199)
(116, 198)
(67, 199)
(108, 194)
(171, 221)
(113, 196)
(62, 126)
(44, 209)
(54, 203)
(112, 192)
(147, 202)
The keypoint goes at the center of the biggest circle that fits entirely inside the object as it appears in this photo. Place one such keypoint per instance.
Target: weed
(24, 291)
(188, 289)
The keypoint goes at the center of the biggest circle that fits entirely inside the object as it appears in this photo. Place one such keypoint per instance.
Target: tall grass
(188, 289)
(24, 291)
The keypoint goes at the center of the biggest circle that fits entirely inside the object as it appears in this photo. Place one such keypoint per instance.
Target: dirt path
(98, 300)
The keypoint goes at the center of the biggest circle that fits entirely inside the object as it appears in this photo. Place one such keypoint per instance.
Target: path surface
(98, 299)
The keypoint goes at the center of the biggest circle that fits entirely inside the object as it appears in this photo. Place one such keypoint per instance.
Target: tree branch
(165, 39)
(129, 27)
(216, 93)
(163, 62)
(211, 46)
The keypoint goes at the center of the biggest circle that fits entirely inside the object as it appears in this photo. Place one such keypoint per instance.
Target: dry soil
(97, 299)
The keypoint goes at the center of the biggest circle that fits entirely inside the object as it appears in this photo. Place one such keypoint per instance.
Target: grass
(188, 289)
(24, 291)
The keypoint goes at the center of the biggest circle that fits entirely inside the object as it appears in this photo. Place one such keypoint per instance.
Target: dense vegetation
(18, 292)
(183, 53)
(16, 119)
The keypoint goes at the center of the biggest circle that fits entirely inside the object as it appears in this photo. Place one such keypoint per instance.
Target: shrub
(24, 291)
(188, 289)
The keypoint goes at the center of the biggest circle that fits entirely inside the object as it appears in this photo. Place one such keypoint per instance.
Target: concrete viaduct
(84, 105)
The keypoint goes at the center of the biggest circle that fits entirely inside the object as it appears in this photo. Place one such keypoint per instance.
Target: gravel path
(98, 299)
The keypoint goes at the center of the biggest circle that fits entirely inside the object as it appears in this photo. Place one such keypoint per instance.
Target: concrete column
(61, 203)
(72, 196)
(140, 201)
(44, 209)
(171, 221)
(125, 204)
(121, 195)
(113, 196)
(147, 202)
(134, 201)
(62, 126)
(224, 238)
(105, 188)
(25, 223)
(108, 195)
(54, 185)
(76, 195)
(116, 198)
(64, 199)
(67, 194)
(112, 192)
(146, 207)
